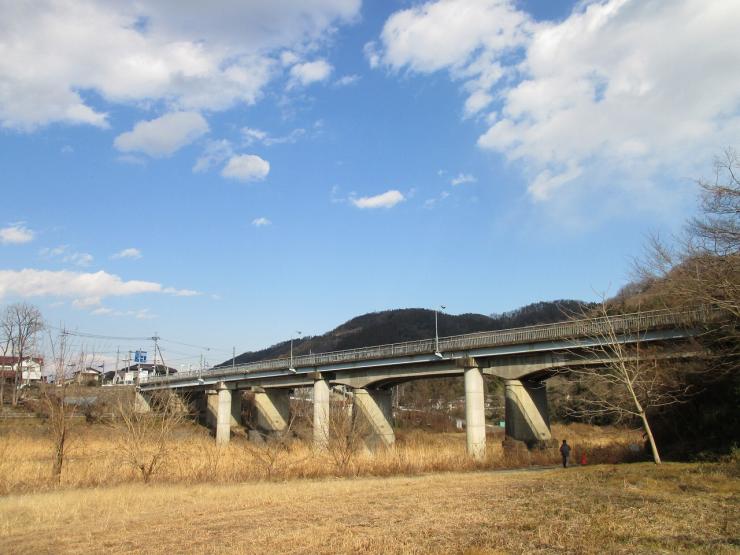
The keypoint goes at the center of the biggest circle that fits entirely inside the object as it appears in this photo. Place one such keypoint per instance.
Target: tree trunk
(15, 387)
(59, 451)
(651, 439)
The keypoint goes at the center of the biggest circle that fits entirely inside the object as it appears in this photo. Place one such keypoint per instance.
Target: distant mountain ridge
(409, 324)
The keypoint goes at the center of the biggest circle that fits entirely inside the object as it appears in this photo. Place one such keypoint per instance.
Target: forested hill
(408, 324)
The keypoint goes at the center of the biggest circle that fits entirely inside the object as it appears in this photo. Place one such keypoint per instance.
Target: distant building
(87, 376)
(31, 369)
(136, 373)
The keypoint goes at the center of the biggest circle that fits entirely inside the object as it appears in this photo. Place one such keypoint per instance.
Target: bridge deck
(593, 327)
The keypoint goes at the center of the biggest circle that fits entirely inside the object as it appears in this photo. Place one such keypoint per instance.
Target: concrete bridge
(524, 358)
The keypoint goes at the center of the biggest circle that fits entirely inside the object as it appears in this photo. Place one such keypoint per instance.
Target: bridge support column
(321, 397)
(475, 413)
(141, 403)
(211, 406)
(374, 407)
(236, 409)
(526, 411)
(273, 410)
(223, 415)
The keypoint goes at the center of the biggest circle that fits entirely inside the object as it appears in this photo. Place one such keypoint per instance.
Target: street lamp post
(291, 352)
(436, 331)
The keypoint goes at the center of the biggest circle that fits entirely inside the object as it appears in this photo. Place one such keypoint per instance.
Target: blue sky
(228, 176)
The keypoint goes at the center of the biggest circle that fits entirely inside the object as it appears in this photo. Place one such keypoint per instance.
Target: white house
(31, 368)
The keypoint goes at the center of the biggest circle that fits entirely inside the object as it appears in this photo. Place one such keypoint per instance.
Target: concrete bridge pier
(475, 413)
(211, 406)
(527, 417)
(374, 408)
(321, 396)
(224, 414)
(273, 409)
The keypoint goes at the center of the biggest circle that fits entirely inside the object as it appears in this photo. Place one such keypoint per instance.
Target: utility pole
(233, 358)
(118, 356)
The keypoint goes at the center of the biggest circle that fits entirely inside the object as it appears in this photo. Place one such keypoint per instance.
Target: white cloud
(163, 136)
(16, 234)
(190, 55)
(257, 135)
(384, 200)
(611, 94)
(251, 135)
(463, 178)
(310, 72)
(141, 314)
(131, 252)
(64, 253)
(261, 222)
(246, 167)
(347, 80)
(214, 153)
(87, 289)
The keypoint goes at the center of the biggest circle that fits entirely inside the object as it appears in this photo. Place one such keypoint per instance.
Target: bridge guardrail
(591, 327)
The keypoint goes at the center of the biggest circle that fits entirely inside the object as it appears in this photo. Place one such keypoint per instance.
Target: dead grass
(96, 459)
(636, 508)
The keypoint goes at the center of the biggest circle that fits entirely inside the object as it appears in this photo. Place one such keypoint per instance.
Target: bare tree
(628, 382)
(22, 323)
(54, 395)
(54, 400)
(347, 433)
(5, 347)
(272, 448)
(702, 266)
(148, 435)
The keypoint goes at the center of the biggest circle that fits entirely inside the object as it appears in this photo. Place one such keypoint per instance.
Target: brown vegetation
(596, 509)
(97, 456)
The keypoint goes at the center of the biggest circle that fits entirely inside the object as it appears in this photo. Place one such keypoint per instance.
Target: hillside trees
(701, 267)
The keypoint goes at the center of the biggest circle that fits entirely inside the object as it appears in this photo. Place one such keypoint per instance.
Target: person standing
(565, 453)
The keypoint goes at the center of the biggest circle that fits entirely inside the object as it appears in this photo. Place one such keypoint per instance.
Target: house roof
(8, 361)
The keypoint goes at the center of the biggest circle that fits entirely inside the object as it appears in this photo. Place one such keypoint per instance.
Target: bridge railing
(574, 329)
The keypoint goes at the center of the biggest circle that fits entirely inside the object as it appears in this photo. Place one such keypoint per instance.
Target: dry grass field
(98, 455)
(636, 508)
(423, 496)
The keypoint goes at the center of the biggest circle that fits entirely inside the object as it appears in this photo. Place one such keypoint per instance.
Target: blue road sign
(140, 356)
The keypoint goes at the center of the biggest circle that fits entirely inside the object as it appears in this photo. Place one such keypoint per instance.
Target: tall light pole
(436, 331)
(291, 352)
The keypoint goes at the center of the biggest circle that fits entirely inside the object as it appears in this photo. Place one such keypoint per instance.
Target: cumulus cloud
(163, 136)
(462, 178)
(16, 234)
(261, 222)
(246, 167)
(131, 252)
(310, 72)
(87, 289)
(612, 90)
(188, 54)
(384, 200)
